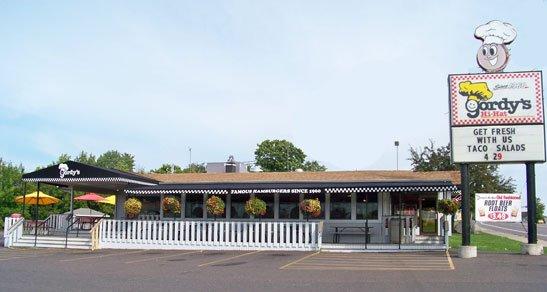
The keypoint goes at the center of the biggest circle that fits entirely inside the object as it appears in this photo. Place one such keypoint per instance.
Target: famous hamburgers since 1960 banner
(497, 117)
(497, 208)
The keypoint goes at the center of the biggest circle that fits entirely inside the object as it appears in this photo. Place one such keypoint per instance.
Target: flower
(311, 207)
(215, 205)
(447, 206)
(132, 207)
(170, 205)
(255, 207)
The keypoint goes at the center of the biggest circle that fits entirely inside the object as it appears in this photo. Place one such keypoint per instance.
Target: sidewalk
(522, 239)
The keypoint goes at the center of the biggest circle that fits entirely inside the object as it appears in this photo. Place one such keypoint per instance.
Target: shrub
(255, 207)
(132, 207)
(170, 205)
(311, 207)
(215, 205)
(447, 206)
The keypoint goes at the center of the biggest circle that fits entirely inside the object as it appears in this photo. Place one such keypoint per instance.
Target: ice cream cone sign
(493, 55)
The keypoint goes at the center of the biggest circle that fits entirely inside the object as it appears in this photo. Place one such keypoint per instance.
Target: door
(428, 216)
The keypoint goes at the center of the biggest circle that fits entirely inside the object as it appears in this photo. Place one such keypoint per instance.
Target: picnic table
(351, 230)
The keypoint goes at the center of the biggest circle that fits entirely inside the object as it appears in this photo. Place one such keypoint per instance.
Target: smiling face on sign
(493, 57)
(493, 54)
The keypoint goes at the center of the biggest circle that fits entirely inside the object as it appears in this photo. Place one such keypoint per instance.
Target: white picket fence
(13, 230)
(209, 235)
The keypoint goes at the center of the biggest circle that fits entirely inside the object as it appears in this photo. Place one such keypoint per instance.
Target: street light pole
(397, 152)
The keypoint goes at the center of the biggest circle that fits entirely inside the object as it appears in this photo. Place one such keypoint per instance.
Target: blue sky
(341, 80)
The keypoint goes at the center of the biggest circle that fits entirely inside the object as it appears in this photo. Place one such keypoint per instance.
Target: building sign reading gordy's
(497, 117)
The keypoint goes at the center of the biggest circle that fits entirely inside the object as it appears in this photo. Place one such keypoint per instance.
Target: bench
(351, 230)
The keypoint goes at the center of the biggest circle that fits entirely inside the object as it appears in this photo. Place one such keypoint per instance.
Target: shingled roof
(326, 176)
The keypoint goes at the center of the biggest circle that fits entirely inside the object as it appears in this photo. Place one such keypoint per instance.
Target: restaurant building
(371, 210)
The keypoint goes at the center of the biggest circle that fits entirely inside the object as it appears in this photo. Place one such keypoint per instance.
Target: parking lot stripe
(450, 260)
(299, 260)
(351, 268)
(102, 256)
(163, 257)
(230, 258)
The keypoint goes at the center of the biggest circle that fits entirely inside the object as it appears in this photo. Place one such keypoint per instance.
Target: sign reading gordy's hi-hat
(497, 117)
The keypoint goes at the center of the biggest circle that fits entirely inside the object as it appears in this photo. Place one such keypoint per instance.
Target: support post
(71, 201)
(531, 198)
(466, 250)
(36, 216)
(24, 198)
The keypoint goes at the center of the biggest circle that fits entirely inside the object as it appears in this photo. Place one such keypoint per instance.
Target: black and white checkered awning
(390, 189)
(172, 192)
(87, 179)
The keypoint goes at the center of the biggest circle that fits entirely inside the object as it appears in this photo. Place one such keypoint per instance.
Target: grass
(487, 243)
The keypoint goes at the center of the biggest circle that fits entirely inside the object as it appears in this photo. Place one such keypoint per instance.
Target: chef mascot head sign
(493, 55)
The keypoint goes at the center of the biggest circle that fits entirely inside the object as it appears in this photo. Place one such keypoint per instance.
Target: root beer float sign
(497, 208)
(497, 117)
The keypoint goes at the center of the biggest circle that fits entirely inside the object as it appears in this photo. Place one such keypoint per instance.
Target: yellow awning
(34, 199)
(109, 200)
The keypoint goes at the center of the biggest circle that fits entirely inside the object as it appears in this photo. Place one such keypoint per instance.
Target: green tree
(10, 187)
(168, 168)
(282, 155)
(116, 160)
(87, 158)
(483, 178)
(313, 165)
(540, 209)
(195, 168)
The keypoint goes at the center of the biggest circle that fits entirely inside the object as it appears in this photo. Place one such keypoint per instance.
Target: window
(237, 210)
(367, 206)
(269, 199)
(321, 198)
(150, 205)
(223, 197)
(340, 206)
(194, 206)
(288, 206)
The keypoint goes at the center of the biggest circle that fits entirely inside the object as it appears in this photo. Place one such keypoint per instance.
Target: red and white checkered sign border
(537, 119)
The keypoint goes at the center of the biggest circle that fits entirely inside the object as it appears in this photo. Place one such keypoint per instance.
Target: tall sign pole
(497, 117)
(531, 198)
(466, 205)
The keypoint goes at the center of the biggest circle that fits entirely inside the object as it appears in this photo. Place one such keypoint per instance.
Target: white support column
(327, 206)
(120, 201)
(161, 208)
(276, 206)
(448, 195)
(204, 207)
(228, 206)
(182, 205)
(353, 206)
(440, 196)
(300, 199)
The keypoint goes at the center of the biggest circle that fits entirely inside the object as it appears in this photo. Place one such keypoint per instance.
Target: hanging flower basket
(447, 206)
(170, 205)
(215, 206)
(310, 207)
(132, 207)
(255, 207)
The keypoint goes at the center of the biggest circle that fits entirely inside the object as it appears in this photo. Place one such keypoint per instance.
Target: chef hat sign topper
(493, 55)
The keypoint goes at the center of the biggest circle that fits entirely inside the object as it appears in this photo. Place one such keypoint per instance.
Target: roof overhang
(85, 177)
(294, 187)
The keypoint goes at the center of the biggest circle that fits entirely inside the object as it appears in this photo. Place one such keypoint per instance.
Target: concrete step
(54, 242)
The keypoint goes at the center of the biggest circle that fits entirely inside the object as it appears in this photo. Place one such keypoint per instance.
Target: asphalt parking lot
(145, 270)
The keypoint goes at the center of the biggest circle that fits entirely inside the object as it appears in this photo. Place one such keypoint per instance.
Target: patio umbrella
(89, 197)
(31, 199)
(109, 200)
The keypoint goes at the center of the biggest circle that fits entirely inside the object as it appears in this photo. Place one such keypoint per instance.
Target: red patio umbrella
(89, 197)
